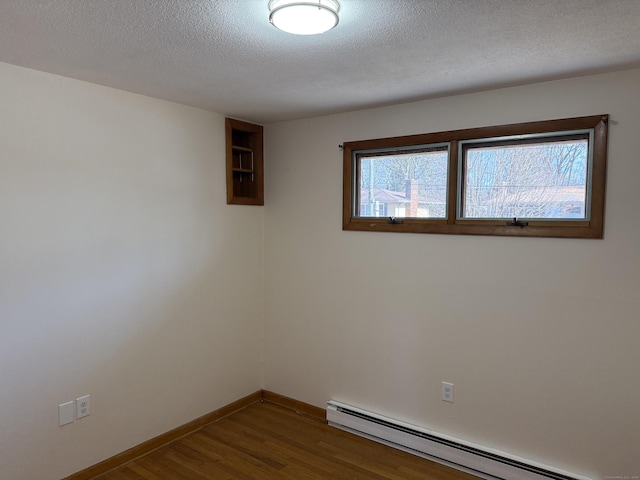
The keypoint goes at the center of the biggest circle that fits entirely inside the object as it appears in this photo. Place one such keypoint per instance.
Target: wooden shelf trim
(244, 157)
(242, 149)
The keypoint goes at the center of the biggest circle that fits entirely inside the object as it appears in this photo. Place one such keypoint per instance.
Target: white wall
(539, 336)
(123, 273)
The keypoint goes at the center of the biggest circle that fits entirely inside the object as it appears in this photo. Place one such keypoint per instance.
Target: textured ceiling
(224, 56)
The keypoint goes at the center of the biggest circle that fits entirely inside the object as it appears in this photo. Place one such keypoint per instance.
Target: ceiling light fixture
(304, 18)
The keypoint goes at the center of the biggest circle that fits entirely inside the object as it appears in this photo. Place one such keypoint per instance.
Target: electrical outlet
(83, 406)
(65, 413)
(447, 392)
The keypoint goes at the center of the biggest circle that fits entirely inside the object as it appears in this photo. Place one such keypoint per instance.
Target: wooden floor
(266, 441)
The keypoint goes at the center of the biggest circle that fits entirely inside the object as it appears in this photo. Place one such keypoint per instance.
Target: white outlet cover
(83, 406)
(447, 392)
(65, 413)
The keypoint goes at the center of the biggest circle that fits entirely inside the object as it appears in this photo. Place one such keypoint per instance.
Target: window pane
(547, 179)
(404, 184)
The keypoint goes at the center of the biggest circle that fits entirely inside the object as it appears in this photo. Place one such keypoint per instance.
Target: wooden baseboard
(162, 440)
(300, 407)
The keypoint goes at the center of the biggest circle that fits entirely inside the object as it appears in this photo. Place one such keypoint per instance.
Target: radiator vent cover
(483, 462)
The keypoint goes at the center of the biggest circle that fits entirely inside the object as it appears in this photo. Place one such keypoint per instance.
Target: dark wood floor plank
(227, 462)
(268, 442)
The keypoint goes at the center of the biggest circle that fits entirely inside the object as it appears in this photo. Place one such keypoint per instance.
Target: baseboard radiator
(479, 461)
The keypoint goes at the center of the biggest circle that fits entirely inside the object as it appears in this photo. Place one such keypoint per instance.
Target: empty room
(415, 223)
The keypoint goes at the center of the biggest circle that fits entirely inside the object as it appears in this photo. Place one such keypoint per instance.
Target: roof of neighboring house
(383, 196)
(567, 194)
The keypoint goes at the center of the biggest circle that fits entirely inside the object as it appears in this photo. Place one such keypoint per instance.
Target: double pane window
(534, 179)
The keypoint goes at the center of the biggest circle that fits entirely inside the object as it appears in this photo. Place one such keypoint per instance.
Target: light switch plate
(65, 413)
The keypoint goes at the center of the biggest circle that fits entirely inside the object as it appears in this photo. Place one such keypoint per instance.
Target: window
(532, 179)
(535, 177)
(400, 182)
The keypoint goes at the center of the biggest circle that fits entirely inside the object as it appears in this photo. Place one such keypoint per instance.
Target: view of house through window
(539, 179)
(409, 184)
(543, 179)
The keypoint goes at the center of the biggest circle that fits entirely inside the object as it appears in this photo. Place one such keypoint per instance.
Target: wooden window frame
(591, 228)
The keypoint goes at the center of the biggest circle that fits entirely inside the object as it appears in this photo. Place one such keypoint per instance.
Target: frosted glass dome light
(304, 18)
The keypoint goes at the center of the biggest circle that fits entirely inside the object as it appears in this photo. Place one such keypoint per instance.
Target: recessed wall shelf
(245, 175)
